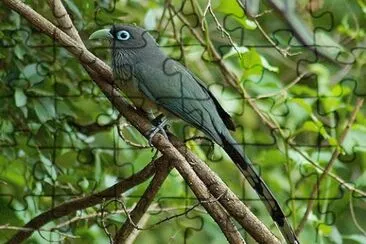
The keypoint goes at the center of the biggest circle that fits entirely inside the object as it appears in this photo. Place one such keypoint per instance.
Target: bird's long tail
(235, 152)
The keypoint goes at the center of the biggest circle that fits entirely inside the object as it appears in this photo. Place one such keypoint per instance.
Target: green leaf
(302, 103)
(267, 66)
(98, 172)
(335, 236)
(14, 172)
(355, 137)
(361, 181)
(24, 111)
(331, 104)
(323, 78)
(67, 178)
(234, 52)
(252, 63)
(15, 19)
(303, 90)
(31, 74)
(6, 126)
(362, 4)
(231, 7)
(20, 97)
(44, 108)
(325, 229)
(84, 184)
(357, 238)
(250, 59)
(309, 126)
(332, 141)
(151, 18)
(20, 51)
(67, 159)
(74, 9)
(45, 160)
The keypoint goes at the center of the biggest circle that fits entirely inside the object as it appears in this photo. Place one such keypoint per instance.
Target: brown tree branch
(102, 73)
(236, 208)
(85, 202)
(99, 72)
(145, 201)
(44, 25)
(64, 20)
(166, 148)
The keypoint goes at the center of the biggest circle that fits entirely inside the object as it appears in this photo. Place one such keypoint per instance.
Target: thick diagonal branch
(102, 75)
(198, 187)
(236, 208)
(64, 21)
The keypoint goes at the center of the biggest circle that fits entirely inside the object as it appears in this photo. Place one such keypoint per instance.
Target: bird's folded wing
(179, 93)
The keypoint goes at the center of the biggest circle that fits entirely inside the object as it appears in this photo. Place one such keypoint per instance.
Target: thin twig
(142, 206)
(283, 90)
(176, 37)
(329, 166)
(106, 231)
(344, 183)
(228, 75)
(25, 229)
(354, 218)
(283, 52)
(267, 11)
(187, 210)
(166, 3)
(129, 142)
(254, 106)
(218, 26)
(99, 214)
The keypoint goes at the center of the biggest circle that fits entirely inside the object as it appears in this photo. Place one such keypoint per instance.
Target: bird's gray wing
(223, 114)
(175, 89)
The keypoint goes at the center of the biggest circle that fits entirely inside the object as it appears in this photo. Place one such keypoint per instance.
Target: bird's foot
(158, 126)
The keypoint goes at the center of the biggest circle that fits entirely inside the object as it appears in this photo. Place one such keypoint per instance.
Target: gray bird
(153, 80)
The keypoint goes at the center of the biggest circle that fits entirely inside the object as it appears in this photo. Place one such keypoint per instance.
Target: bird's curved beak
(101, 34)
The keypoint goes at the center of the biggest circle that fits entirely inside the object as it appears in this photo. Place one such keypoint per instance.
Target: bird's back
(172, 86)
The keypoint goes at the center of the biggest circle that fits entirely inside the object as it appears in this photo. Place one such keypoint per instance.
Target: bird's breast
(131, 90)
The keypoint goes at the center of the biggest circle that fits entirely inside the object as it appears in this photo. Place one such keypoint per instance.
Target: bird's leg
(158, 126)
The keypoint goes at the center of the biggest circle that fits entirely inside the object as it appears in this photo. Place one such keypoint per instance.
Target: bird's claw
(159, 124)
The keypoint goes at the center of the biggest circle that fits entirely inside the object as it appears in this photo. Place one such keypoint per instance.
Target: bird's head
(125, 37)
(130, 45)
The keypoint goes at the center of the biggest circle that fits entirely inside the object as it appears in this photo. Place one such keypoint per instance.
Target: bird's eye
(123, 35)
